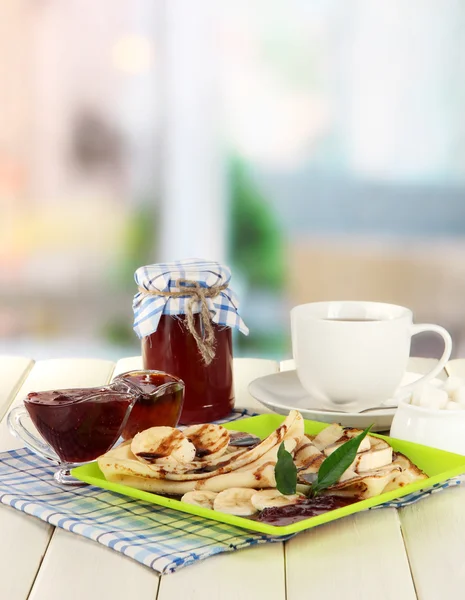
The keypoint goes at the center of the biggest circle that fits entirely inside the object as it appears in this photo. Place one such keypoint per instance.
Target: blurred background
(315, 146)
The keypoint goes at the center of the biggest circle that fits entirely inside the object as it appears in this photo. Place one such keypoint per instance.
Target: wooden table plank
(287, 365)
(13, 371)
(256, 573)
(22, 539)
(356, 558)
(133, 363)
(246, 370)
(23, 542)
(434, 535)
(75, 568)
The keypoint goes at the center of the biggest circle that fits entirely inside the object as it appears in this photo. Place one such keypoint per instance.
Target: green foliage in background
(137, 248)
(119, 332)
(273, 344)
(256, 244)
(138, 244)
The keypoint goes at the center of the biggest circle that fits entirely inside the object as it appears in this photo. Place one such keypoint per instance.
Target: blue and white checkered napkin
(163, 277)
(160, 538)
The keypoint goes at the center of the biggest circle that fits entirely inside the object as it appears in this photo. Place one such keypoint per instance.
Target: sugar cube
(458, 395)
(428, 396)
(451, 405)
(416, 397)
(452, 384)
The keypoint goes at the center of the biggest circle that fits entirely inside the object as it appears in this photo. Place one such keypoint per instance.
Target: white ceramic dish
(282, 392)
(443, 429)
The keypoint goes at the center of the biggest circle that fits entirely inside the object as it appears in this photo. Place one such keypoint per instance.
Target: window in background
(317, 146)
(347, 122)
(79, 172)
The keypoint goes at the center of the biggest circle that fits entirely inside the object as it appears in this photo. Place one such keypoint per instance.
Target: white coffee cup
(351, 355)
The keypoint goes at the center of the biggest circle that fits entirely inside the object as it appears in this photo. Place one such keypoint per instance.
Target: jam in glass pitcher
(159, 400)
(76, 426)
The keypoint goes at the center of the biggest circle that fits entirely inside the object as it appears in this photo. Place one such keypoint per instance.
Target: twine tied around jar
(196, 293)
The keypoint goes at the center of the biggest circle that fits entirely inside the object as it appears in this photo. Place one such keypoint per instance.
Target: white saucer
(282, 392)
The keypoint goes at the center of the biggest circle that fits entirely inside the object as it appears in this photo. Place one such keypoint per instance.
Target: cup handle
(442, 361)
(35, 444)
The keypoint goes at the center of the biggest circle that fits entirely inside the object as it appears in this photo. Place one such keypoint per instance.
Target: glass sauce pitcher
(77, 426)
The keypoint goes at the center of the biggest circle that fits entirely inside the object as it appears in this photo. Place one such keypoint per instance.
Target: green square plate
(438, 464)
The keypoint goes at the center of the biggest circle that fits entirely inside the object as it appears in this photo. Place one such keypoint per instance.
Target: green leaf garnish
(285, 472)
(336, 463)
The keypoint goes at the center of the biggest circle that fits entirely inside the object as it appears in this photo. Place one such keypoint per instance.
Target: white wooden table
(417, 552)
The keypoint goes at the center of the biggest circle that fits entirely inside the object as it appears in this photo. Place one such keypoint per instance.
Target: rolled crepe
(252, 468)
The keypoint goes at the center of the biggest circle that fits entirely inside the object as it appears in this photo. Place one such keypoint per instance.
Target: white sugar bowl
(439, 428)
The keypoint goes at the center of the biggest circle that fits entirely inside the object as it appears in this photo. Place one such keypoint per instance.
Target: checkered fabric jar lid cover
(170, 288)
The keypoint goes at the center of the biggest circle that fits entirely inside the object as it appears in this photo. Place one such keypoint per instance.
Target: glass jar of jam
(184, 314)
(209, 388)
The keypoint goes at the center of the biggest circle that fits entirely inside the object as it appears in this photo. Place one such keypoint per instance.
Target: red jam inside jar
(209, 393)
(79, 424)
(159, 400)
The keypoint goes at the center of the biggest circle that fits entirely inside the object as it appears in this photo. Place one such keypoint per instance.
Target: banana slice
(273, 498)
(209, 440)
(328, 436)
(201, 498)
(160, 443)
(235, 501)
